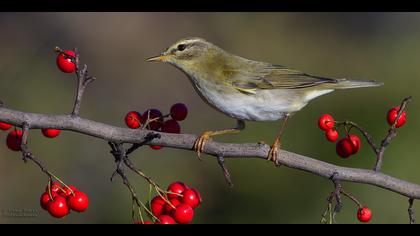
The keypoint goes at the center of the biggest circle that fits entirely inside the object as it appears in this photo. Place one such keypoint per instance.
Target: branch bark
(215, 149)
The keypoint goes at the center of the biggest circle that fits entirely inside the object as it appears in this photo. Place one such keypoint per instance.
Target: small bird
(247, 90)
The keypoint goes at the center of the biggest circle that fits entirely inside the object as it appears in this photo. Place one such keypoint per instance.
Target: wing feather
(268, 76)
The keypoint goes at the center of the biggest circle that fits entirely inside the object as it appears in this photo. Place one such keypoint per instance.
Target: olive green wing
(259, 77)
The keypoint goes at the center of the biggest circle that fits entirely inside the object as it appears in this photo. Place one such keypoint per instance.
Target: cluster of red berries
(58, 200)
(351, 144)
(14, 137)
(155, 120)
(346, 146)
(183, 200)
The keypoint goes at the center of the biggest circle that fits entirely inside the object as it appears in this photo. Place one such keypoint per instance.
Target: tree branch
(216, 149)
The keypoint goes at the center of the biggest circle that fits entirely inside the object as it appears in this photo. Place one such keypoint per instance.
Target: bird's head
(191, 55)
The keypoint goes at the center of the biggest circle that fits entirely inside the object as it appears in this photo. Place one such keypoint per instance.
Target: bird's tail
(346, 84)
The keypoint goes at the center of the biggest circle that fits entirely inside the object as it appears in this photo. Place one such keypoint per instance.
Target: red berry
(326, 122)
(152, 114)
(157, 206)
(176, 187)
(155, 147)
(165, 220)
(183, 214)
(191, 198)
(392, 116)
(14, 140)
(55, 187)
(344, 148)
(356, 143)
(179, 111)
(44, 200)
(65, 192)
(5, 126)
(132, 119)
(51, 133)
(364, 214)
(78, 202)
(168, 208)
(146, 222)
(197, 194)
(65, 61)
(171, 126)
(331, 135)
(58, 207)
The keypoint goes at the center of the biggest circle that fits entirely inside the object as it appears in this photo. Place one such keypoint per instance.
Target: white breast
(265, 105)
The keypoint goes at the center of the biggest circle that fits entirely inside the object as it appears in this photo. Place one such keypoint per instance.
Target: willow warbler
(247, 90)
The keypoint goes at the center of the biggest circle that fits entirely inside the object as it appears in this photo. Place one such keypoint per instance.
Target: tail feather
(347, 84)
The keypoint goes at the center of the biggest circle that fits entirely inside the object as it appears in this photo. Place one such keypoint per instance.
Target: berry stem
(150, 193)
(166, 116)
(367, 136)
(351, 198)
(141, 215)
(330, 213)
(148, 121)
(49, 188)
(59, 50)
(61, 182)
(133, 211)
(157, 188)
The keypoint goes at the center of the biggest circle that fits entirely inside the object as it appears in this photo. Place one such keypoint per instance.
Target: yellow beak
(158, 58)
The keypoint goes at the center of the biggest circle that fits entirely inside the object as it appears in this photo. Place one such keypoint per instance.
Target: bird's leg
(274, 150)
(201, 141)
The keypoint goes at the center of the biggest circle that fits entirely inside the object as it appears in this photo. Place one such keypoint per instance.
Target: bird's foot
(273, 153)
(200, 142)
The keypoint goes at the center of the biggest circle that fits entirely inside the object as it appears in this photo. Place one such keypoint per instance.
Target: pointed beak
(160, 58)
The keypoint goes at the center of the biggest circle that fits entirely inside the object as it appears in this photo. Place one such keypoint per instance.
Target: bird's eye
(181, 47)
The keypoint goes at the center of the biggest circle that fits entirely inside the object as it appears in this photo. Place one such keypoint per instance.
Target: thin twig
(411, 214)
(83, 80)
(26, 154)
(24, 143)
(336, 195)
(221, 162)
(120, 155)
(391, 135)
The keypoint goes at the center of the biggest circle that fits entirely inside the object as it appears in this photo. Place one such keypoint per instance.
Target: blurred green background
(380, 46)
